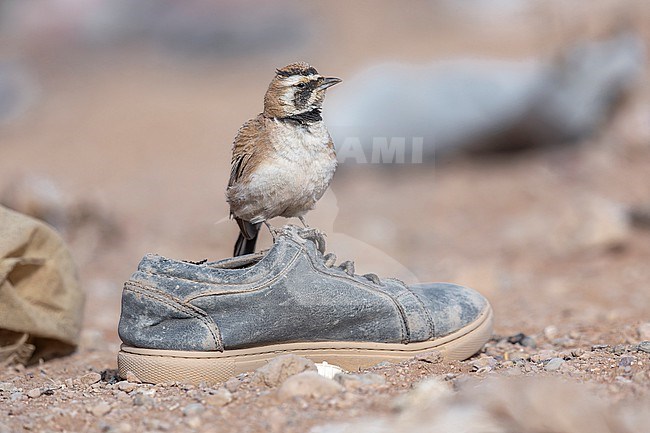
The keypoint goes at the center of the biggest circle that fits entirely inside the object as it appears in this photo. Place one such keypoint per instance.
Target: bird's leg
(274, 232)
(302, 220)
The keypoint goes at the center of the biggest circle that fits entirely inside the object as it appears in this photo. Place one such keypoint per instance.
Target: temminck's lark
(283, 160)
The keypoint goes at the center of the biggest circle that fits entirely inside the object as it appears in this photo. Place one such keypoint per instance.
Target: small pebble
(34, 393)
(16, 396)
(232, 384)
(308, 384)
(193, 422)
(554, 364)
(644, 346)
(142, 400)
(625, 361)
(126, 386)
(644, 331)
(517, 356)
(523, 340)
(431, 357)
(354, 382)
(124, 427)
(219, 398)
(90, 378)
(100, 409)
(157, 425)
(484, 364)
(193, 409)
(280, 368)
(551, 332)
(131, 377)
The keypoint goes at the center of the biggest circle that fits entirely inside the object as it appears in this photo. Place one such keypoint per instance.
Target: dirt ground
(558, 240)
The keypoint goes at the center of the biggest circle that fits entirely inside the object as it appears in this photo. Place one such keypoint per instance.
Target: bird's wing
(246, 146)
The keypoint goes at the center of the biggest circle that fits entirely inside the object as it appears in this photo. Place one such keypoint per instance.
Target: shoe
(206, 322)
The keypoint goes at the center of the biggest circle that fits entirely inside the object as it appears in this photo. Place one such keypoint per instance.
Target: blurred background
(532, 117)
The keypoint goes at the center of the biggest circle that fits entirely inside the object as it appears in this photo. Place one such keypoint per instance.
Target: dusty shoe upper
(292, 293)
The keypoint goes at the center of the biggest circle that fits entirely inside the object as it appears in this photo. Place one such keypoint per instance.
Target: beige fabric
(39, 292)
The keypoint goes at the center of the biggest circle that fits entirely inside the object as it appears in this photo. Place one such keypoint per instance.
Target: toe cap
(451, 307)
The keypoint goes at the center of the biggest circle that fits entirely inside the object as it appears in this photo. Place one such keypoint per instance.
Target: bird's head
(296, 89)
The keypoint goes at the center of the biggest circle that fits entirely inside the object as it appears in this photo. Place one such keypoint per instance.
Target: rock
(308, 384)
(429, 392)
(644, 331)
(543, 355)
(219, 398)
(17, 396)
(143, 400)
(484, 364)
(644, 346)
(551, 332)
(4, 428)
(523, 340)
(100, 409)
(126, 386)
(193, 409)
(232, 384)
(157, 425)
(124, 427)
(626, 361)
(90, 378)
(131, 377)
(354, 382)
(34, 393)
(431, 357)
(6, 386)
(579, 223)
(531, 103)
(554, 364)
(328, 370)
(193, 422)
(517, 356)
(596, 347)
(280, 368)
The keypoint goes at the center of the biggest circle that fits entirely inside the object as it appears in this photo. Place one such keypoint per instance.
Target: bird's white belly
(296, 175)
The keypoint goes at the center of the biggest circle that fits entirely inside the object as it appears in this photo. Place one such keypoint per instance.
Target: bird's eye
(301, 85)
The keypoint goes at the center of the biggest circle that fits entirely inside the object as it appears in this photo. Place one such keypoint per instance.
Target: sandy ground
(548, 237)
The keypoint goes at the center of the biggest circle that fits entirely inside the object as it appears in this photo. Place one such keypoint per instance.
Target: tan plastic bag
(41, 302)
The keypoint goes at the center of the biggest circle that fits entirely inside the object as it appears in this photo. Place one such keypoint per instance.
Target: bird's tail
(247, 238)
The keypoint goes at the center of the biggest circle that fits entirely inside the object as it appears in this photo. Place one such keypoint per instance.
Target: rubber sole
(159, 366)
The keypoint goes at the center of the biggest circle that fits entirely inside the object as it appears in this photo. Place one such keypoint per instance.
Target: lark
(283, 160)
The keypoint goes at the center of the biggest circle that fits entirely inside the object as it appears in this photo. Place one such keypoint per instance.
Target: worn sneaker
(193, 322)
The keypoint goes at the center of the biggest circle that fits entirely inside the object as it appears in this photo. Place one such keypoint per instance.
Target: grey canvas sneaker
(193, 322)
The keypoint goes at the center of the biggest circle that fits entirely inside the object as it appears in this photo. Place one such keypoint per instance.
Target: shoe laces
(329, 259)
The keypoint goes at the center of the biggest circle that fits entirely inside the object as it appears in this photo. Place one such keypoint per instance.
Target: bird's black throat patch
(304, 118)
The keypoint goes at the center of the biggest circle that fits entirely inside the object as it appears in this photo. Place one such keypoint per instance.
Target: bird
(283, 160)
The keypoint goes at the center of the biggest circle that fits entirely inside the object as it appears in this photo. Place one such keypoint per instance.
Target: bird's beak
(329, 82)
